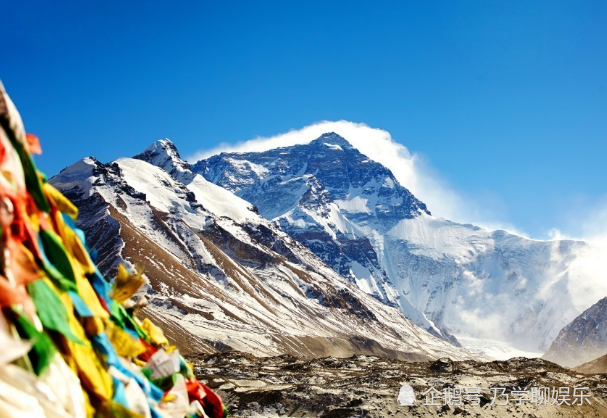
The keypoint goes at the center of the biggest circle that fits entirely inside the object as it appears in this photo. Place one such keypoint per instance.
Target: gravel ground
(366, 386)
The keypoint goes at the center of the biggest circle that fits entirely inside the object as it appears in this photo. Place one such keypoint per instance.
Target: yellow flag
(154, 333)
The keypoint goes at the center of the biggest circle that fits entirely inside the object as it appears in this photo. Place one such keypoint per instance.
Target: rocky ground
(364, 386)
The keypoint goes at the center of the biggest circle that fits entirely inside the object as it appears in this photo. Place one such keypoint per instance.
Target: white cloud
(411, 170)
(588, 272)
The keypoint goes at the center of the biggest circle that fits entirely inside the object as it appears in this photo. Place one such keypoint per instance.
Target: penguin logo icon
(406, 396)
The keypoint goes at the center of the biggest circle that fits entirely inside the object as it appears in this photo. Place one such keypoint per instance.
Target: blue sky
(507, 101)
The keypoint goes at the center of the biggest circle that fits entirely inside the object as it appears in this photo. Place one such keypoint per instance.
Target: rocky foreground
(365, 386)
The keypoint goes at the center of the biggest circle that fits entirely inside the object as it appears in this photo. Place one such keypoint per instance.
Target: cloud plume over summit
(412, 170)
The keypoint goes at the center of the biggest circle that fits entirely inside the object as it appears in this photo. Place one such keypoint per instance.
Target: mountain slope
(598, 365)
(449, 278)
(583, 340)
(220, 276)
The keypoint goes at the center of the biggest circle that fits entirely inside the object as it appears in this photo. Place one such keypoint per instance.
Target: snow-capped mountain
(449, 278)
(221, 276)
(584, 339)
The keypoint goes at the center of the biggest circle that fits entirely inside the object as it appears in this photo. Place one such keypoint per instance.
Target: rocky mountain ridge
(220, 276)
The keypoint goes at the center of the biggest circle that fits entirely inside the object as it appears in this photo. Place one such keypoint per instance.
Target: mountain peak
(163, 153)
(331, 138)
(162, 146)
